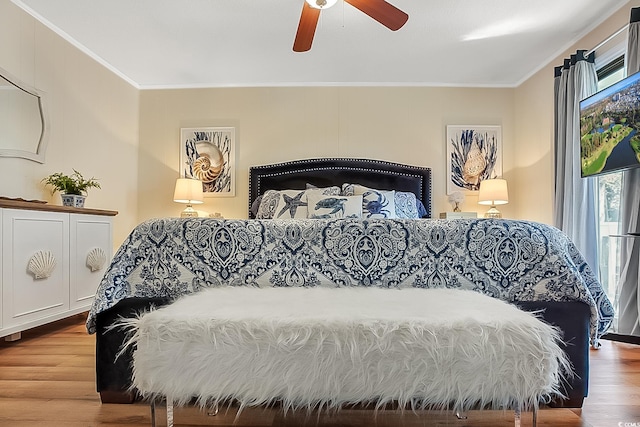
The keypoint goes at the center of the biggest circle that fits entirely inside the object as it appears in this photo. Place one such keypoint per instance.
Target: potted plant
(73, 188)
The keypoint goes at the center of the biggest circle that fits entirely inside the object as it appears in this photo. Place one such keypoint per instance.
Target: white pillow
(291, 204)
(375, 203)
(288, 204)
(323, 206)
(378, 204)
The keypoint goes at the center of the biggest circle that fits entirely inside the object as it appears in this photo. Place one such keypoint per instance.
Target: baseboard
(629, 339)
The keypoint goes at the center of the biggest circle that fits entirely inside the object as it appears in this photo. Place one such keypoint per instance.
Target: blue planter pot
(73, 200)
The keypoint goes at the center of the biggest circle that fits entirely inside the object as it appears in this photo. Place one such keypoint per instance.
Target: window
(611, 73)
(609, 202)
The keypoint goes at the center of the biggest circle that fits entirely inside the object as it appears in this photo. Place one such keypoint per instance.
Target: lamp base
(189, 212)
(493, 213)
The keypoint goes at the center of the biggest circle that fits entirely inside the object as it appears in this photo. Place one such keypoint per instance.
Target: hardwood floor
(47, 379)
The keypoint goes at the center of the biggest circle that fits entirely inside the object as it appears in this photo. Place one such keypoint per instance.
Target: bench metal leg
(168, 404)
(518, 417)
(169, 412)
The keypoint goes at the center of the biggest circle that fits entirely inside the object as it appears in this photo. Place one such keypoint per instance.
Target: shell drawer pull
(96, 259)
(42, 264)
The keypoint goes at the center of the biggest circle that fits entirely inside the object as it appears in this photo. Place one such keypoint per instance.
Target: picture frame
(208, 154)
(474, 153)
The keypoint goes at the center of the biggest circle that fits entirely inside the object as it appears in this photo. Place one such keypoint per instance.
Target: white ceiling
(229, 43)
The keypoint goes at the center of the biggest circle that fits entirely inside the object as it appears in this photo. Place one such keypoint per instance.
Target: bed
(164, 259)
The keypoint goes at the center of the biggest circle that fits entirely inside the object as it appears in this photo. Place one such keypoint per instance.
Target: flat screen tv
(609, 128)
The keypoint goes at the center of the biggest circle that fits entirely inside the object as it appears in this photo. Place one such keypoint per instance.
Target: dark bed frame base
(113, 374)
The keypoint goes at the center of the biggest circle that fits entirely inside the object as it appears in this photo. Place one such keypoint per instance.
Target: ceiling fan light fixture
(321, 4)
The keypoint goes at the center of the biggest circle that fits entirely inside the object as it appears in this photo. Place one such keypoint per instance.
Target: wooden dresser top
(37, 206)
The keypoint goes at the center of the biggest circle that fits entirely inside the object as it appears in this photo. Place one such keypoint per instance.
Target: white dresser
(52, 260)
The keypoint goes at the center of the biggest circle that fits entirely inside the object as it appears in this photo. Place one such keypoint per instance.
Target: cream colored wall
(532, 166)
(93, 116)
(398, 124)
(391, 123)
(129, 139)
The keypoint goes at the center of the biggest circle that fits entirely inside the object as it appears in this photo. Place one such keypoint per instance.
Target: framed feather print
(474, 153)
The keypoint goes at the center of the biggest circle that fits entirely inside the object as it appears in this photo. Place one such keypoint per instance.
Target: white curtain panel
(575, 197)
(629, 306)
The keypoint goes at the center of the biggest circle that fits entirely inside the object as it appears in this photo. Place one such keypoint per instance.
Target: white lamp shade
(493, 192)
(188, 191)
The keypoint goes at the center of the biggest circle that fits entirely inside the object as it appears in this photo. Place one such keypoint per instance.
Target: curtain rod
(605, 41)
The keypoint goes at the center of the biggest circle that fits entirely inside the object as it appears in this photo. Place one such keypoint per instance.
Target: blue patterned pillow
(268, 204)
(422, 211)
(334, 190)
(406, 205)
(255, 206)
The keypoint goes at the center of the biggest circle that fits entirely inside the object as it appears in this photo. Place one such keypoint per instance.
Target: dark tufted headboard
(336, 171)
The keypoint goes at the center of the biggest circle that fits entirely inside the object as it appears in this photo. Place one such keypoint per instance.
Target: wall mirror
(23, 119)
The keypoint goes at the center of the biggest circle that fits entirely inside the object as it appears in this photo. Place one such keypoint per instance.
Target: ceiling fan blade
(306, 28)
(383, 12)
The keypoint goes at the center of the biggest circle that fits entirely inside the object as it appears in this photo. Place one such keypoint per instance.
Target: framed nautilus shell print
(208, 154)
(474, 153)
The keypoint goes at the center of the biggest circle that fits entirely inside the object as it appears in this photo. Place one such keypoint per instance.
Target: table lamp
(188, 191)
(493, 192)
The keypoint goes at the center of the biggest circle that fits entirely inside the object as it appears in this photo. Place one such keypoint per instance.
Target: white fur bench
(324, 348)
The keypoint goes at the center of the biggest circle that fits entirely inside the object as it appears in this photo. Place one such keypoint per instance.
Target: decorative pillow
(422, 211)
(288, 204)
(291, 204)
(350, 189)
(378, 204)
(375, 203)
(268, 204)
(326, 190)
(255, 206)
(406, 205)
(322, 206)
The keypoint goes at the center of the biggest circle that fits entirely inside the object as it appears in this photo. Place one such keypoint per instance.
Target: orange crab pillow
(324, 207)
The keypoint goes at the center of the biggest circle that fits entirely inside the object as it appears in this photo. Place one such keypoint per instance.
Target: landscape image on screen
(609, 125)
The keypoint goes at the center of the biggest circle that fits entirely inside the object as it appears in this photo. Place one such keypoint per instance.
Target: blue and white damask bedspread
(505, 259)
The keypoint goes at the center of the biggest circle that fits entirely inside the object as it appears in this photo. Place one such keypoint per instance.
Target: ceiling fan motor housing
(321, 4)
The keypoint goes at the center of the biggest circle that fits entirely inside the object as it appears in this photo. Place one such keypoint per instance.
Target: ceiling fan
(383, 12)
